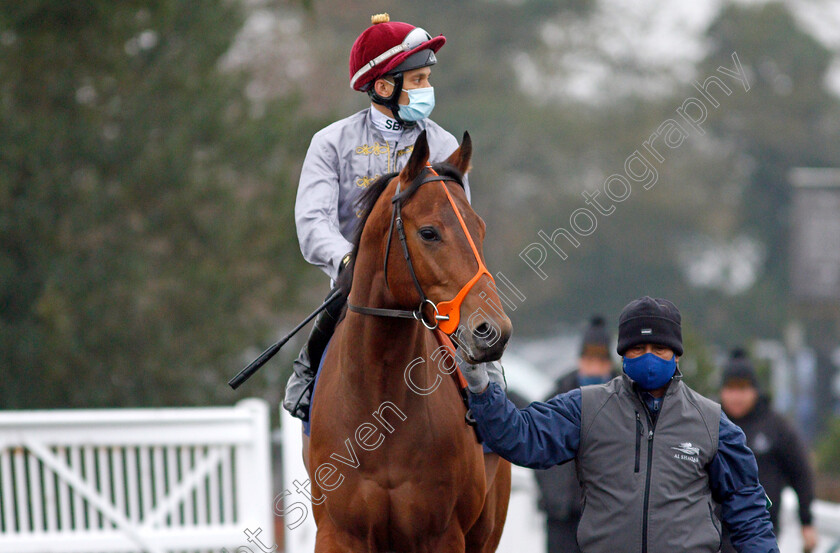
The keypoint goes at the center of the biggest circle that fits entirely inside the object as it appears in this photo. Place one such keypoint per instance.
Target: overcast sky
(629, 47)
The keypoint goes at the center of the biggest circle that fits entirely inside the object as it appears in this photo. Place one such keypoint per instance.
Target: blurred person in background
(391, 62)
(560, 492)
(780, 452)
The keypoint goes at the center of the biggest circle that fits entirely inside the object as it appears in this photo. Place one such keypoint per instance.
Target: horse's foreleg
(491, 464)
(485, 535)
(305, 451)
(329, 540)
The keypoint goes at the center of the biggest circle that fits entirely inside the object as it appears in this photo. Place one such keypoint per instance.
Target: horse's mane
(364, 206)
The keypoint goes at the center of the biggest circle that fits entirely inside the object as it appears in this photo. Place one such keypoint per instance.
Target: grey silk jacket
(343, 159)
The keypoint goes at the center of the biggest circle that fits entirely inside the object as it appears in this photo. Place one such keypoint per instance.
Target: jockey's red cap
(383, 46)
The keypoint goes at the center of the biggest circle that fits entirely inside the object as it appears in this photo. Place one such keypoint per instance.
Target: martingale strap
(460, 382)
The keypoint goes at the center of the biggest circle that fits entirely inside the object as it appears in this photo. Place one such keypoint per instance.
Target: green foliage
(146, 206)
(785, 120)
(143, 208)
(828, 449)
(697, 365)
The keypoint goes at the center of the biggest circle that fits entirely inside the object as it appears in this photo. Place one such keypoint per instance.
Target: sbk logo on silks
(687, 452)
(393, 125)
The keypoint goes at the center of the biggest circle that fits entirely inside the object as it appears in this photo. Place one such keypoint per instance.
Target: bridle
(447, 313)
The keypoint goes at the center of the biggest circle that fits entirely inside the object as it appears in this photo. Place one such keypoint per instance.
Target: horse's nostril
(482, 331)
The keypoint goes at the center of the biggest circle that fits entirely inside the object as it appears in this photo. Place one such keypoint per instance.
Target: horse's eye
(429, 234)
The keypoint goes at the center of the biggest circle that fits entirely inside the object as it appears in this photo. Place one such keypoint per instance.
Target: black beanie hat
(739, 367)
(649, 321)
(596, 341)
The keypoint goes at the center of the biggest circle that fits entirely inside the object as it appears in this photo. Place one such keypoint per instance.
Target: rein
(447, 313)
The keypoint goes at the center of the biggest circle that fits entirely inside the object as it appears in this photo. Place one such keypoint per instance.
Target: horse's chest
(418, 509)
(407, 469)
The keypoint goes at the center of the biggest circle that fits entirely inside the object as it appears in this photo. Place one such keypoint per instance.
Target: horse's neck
(377, 351)
(378, 341)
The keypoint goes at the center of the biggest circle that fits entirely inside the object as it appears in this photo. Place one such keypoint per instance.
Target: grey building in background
(815, 279)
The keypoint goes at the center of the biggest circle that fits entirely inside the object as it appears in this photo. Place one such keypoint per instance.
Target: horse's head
(421, 246)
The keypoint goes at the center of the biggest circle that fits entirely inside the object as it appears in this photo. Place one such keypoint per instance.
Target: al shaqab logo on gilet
(687, 452)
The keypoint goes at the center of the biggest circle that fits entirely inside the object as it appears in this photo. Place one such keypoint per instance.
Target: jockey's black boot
(299, 387)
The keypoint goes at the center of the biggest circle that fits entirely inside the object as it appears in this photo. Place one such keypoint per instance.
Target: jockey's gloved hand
(345, 261)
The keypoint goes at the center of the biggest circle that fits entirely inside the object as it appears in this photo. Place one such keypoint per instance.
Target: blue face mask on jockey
(421, 102)
(649, 371)
(592, 380)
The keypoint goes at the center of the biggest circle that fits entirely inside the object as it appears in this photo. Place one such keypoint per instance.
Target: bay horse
(393, 463)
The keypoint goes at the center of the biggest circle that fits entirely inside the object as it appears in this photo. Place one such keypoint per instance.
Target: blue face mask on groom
(650, 371)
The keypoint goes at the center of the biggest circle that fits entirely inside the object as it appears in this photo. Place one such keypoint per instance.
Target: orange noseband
(452, 308)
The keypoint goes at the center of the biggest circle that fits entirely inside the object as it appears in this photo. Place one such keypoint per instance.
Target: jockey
(391, 62)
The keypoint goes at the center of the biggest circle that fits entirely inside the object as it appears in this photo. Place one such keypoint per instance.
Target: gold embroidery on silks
(365, 181)
(359, 213)
(375, 149)
(406, 150)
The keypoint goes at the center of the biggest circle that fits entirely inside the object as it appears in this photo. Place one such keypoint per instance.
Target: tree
(144, 206)
(784, 119)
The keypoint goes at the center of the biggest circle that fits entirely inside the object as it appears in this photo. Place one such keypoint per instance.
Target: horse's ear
(418, 160)
(461, 157)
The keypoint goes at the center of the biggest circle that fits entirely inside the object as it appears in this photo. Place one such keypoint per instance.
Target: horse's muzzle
(486, 338)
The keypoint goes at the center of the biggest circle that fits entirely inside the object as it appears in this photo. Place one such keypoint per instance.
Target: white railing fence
(135, 480)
